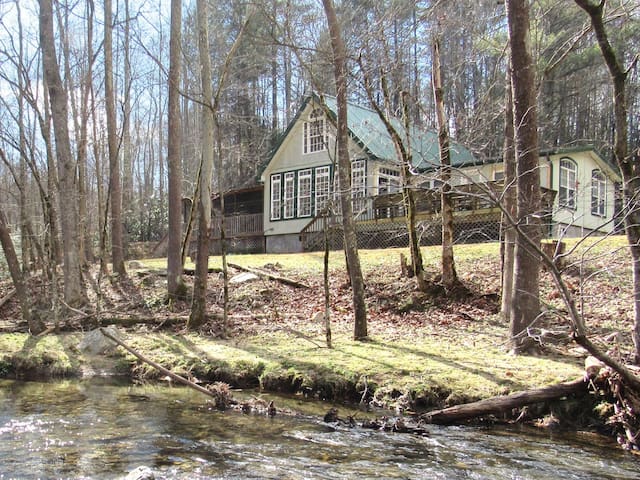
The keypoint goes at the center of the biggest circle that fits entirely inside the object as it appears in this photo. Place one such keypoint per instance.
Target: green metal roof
(369, 132)
(366, 129)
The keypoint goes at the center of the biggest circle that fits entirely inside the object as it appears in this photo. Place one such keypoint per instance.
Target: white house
(585, 184)
(299, 176)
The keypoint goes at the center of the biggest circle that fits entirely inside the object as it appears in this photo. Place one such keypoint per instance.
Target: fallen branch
(494, 405)
(157, 366)
(7, 297)
(271, 276)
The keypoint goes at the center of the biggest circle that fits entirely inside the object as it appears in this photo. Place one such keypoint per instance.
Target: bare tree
(35, 325)
(197, 316)
(449, 276)
(509, 202)
(526, 299)
(175, 284)
(73, 291)
(629, 166)
(344, 172)
(115, 184)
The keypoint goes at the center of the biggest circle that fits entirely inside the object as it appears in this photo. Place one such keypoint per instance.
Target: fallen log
(270, 276)
(157, 366)
(495, 405)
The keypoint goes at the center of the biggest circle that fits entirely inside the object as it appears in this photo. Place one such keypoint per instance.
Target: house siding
(566, 222)
(283, 234)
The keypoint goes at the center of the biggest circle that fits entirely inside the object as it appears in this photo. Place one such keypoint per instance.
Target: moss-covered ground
(423, 350)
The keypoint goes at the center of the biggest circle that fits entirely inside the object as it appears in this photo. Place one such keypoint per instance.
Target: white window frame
(358, 185)
(388, 181)
(304, 193)
(289, 196)
(314, 133)
(598, 193)
(322, 187)
(276, 197)
(568, 184)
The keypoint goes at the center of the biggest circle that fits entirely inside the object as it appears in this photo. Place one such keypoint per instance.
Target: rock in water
(95, 343)
(140, 473)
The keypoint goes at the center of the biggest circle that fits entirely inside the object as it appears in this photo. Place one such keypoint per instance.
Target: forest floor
(424, 350)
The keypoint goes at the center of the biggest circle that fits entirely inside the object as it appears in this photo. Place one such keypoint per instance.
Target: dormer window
(315, 138)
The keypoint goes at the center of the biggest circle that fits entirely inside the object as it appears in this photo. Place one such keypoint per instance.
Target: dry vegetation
(424, 350)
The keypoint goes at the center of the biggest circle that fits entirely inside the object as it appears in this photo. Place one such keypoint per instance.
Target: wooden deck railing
(475, 199)
(245, 225)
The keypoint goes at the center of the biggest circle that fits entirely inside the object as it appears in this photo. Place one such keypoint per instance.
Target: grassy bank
(423, 351)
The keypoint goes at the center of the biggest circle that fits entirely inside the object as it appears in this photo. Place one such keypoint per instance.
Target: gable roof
(370, 133)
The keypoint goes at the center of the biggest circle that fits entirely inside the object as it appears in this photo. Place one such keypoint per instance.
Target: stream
(101, 429)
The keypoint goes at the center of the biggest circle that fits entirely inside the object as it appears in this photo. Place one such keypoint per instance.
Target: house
(299, 182)
(299, 177)
(585, 183)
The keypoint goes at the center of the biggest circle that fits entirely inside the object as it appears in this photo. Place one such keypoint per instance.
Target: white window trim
(289, 196)
(322, 190)
(598, 193)
(569, 168)
(314, 133)
(304, 194)
(276, 197)
(390, 179)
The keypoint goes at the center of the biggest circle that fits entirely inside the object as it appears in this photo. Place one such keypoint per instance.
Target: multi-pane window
(304, 193)
(388, 181)
(315, 139)
(598, 193)
(289, 195)
(322, 187)
(358, 185)
(568, 184)
(276, 197)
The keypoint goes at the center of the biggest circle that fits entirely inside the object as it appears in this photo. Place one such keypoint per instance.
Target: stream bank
(251, 365)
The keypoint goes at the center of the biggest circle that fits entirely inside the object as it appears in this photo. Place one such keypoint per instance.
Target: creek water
(99, 429)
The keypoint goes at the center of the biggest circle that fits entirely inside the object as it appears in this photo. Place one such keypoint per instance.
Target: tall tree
(344, 172)
(510, 197)
(526, 298)
(197, 316)
(628, 164)
(115, 183)
(449, 276)
(175, 285)
(73, 290)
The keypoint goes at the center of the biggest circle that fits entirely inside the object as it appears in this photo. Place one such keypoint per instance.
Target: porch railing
(245, 225)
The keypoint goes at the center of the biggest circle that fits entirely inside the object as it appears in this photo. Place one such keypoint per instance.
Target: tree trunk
(344, 172)
(404, 155)
(502, 404)
(85, 226)
(408, 196)
(115, 184)
(175, 285)
(197, 316)
(510, 205)
(449, 275)
(526, 298)
(35, 325)
(127, 151)
(73, 291)
(629, 167)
